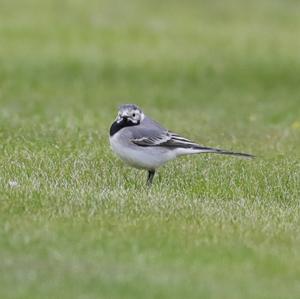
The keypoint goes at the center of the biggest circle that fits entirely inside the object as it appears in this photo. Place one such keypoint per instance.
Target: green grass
(77, 223)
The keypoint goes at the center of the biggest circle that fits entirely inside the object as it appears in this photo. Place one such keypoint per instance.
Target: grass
(77, 223)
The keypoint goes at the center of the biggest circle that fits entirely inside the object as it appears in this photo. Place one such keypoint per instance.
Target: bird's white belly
(140, 157)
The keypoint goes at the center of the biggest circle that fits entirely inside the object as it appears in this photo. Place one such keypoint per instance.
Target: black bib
(116, 127)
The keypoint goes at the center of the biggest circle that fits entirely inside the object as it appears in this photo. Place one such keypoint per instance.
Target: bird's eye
(133, 114)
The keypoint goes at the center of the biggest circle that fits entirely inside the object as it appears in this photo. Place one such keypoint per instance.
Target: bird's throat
(116, 127)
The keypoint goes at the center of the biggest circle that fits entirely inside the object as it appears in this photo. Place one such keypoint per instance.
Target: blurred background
(227, 64)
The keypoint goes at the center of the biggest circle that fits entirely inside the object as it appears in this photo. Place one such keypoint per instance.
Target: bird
(145, 144)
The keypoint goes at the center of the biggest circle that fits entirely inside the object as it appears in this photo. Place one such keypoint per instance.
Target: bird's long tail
(202, 149)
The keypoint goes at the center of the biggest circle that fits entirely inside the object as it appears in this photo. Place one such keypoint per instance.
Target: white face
(132, 115)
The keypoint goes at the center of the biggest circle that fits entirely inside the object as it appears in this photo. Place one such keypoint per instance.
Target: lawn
(75, 222)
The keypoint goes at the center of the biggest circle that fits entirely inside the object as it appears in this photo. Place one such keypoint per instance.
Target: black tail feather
(223, 152)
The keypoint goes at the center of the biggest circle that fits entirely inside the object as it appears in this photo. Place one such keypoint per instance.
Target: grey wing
(151, 133)
(165, 139)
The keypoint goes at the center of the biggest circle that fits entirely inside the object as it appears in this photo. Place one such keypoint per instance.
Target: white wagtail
(145, 144)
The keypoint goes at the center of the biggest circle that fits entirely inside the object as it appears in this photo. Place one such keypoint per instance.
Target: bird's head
(131, 114)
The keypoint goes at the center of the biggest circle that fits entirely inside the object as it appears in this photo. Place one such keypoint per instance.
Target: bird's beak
(124, 116)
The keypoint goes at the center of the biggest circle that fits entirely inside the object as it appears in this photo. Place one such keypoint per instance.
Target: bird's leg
(151, 174)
